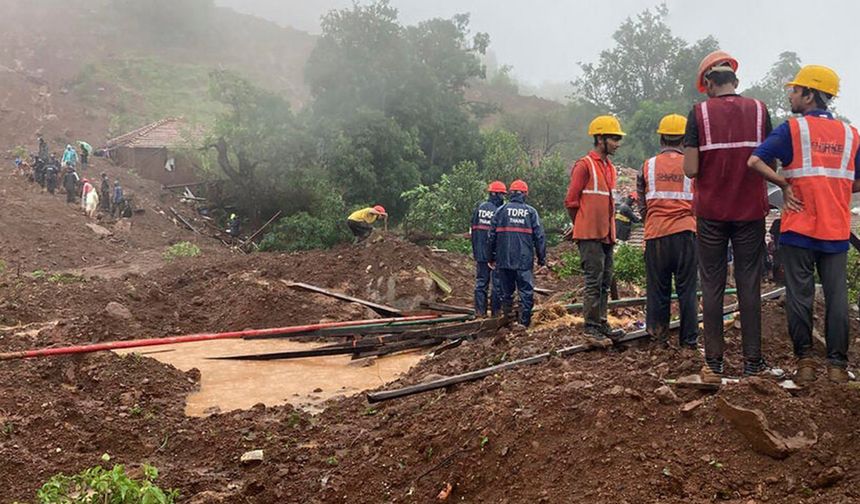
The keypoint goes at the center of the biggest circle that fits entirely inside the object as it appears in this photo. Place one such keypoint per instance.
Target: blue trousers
(522, 281)
(484, 277)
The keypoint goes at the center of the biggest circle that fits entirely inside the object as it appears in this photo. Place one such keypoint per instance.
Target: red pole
(189, 338)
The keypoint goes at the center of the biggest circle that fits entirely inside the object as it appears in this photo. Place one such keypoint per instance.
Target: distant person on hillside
(85, 157)
(18, 162)
(625, 217)
(43, 148)
(38, 165)
(104, 193)
(91, 204)
(51, 178)
(70, 184)
(117, 200)
(86, 188)
(361, 221)
(234, 226)
(70, 157)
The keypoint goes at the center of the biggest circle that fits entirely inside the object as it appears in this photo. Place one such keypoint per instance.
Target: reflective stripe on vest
(596, 189)
(709, 145)
(514, 230)
(653, 193)
(808, 170)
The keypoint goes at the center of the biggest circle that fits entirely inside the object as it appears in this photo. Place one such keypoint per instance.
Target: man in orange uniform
(730, 204)
(592, 211)
(670, 235)
(819, 156)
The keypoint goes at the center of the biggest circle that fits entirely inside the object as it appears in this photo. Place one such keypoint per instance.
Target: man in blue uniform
(515, 235)
(484, 276)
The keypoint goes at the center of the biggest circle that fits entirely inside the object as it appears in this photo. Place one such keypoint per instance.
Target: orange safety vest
(595, 219)
(668, 196)
(821, 174)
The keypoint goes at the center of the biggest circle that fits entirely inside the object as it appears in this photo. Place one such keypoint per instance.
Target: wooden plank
(182, 219)
(386, 311)
(446, 308)
(257, 232)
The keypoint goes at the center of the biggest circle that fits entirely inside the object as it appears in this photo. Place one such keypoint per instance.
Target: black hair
(821, 98)
(722, 78)
(671, 140)
(597, 138)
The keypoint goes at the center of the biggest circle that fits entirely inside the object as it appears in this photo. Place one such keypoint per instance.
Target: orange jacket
(590, 190)
(821, 174)
(668, 196)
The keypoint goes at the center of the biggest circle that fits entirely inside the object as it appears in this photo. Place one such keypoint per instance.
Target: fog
(545, 39)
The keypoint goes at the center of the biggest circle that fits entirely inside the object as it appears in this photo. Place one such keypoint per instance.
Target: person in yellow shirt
(361, 221)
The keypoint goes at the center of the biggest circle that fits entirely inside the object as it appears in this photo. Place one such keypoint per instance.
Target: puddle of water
(230, 385)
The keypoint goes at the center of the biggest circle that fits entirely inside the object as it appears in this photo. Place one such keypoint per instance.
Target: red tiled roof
(166, 133)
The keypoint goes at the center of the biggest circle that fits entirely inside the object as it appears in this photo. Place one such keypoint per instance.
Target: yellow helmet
(673, 125)
(817, 77)
(605, 125)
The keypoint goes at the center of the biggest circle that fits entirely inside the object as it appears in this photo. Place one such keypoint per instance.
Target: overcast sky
(544, 39)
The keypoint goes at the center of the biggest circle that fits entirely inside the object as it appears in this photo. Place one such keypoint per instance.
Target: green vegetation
(853, 276)
(137, 91)
(102, 486)
(630, 264)
(65, 278)
(181, 249)
(3, 266)
(571, 265)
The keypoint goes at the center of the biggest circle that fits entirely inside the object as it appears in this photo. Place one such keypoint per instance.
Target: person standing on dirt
(70, 184)
(70, 157)
(591, 207)
(85, 158)
(38, 167)
(819, 156)
(484, 276)
(117, 200)
(43, 148)
(51, 179)
(361, 221)
(104, 193)
(625, 217)
(730, 203)
(515, 235)
(670, 236)
(233, 226)
(86, 187)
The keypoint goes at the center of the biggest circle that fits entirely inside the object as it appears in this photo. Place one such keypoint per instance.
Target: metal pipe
(190, 338)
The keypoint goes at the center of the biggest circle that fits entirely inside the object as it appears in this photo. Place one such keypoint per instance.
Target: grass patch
(181, 249)
(456, 245)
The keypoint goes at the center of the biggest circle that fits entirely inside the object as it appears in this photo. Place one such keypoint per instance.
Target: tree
(414, 75)
(771, 88)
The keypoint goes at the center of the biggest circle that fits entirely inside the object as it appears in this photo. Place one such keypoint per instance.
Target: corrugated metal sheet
(170, 132)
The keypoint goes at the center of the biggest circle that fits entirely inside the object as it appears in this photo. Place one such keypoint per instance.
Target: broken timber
(440, 307)
(257, 232)
(385, 311)
(182, 219)
(385, 395)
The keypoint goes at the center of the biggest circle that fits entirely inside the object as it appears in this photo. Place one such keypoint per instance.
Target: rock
(754, 426)
(616, 390)
(118, 311)
(666, 395)
(252, 456)
(100, 231)
(688, 408)
(633, 394)
(829, 477)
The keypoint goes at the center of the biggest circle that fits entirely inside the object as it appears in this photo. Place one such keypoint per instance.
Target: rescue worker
(43, 148)
(233, 226)
(625, 217)
(670, 236)
(515, 236)
(104, 192)
(484, 276)
(51, 165)
(590, 204)
(361, 221)
(70, 184)
(730, 203)
(819, 156)
(117, 200)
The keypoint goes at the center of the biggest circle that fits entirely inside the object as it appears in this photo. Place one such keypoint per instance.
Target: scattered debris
(252, 456)
(753, 424)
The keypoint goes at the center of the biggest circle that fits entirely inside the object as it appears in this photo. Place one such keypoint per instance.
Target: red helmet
(715, 59)
(519, 185)
(380, 209)
(497, 187)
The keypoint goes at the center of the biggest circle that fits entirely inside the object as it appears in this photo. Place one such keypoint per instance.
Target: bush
(630, 264)
(456, 245)
(98, 485)
(571, 265)
(303, 231)
(181, 249)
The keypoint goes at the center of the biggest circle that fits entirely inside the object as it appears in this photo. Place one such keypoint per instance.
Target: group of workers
(53, 173)
(705, 189)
